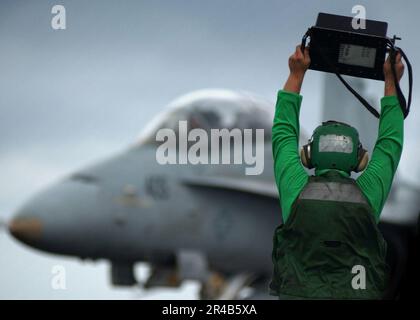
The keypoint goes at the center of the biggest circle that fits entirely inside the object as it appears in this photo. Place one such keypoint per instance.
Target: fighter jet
(207, 222)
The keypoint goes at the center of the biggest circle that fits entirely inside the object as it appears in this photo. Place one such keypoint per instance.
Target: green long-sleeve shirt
(375, 182)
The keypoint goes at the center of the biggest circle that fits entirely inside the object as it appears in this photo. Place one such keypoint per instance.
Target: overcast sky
(71, 97)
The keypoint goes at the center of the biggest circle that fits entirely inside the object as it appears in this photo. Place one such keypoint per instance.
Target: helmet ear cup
(305, 156)
(363, 159)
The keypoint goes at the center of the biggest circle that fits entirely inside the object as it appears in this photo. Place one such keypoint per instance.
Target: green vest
(329, 234)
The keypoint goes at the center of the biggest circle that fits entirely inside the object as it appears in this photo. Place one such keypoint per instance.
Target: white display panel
(357, 55)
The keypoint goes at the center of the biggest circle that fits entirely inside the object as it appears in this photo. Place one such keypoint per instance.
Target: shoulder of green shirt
(287, 112)
(386, 102)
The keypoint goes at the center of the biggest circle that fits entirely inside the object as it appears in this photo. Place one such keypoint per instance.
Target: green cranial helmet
(335, 145)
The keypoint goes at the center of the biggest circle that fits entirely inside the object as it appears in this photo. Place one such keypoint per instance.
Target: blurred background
(71, 97)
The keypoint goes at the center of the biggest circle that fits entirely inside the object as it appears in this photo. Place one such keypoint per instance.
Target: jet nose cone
(26, 229)
(61, 219)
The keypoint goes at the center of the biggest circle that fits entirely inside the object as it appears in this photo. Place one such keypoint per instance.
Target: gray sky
(70, 97)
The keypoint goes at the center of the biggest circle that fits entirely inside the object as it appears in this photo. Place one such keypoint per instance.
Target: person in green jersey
(329, 245)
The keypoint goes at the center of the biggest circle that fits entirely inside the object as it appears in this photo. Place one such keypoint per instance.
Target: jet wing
(262, 188)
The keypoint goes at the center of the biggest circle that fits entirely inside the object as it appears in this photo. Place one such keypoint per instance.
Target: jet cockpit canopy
(213, 109)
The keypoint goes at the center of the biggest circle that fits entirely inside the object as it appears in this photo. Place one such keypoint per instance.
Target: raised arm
(298, 64)
(289, 173)
(375, 182)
